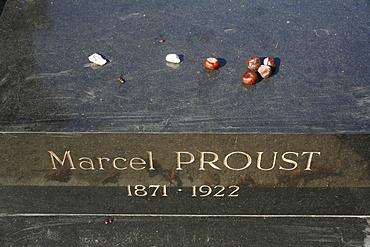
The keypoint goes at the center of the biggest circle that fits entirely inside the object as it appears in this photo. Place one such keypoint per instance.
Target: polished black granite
(320, 85)
(96, 216)
(48, 85)
(172, 231)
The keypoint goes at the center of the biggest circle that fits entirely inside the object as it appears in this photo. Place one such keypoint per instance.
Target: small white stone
(97, 59)
(173, 58)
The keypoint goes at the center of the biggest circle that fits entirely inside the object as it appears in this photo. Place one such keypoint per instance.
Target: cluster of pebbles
(255, 72)
(256, 69)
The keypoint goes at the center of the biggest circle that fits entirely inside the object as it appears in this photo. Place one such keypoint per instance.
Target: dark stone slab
(185, 160)
(321, 85)
(52, 184)
(62, 200)
(2, 4)
(187, 231)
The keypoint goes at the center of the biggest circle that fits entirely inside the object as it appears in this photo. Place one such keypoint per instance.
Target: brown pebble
(121, 80)
(211, 63)
(269, 61)
(265, 71)
(250, 77)
(254, 63)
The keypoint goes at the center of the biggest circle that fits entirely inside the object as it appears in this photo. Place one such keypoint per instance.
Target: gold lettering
(67, 154)
(289, 161)
(100, 161)
(259, 162)
(238, 169)
(211, 163)
(86, 160)
(180, 162)
(139, 161)
(308, 167)
(151, 166)
(115, 165)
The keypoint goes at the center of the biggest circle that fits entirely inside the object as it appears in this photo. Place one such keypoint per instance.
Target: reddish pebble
(269, 61)
(254, 63)
(106, 222)
(250, 77)
(265, 71)
(211, 63)
(121, 80)
(161, 41)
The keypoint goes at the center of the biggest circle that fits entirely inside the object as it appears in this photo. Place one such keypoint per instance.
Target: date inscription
(216, 191)
(151, 190)
(156, 190)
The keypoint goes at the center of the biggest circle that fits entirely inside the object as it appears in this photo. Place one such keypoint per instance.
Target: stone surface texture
(320, 83)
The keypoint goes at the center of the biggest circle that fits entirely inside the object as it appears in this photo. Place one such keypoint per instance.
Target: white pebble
(97, 59)
(173, 58)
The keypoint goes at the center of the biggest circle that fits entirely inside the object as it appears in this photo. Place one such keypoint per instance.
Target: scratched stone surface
(320, 85)
(47, 84)
(141, 231)
(288, 217)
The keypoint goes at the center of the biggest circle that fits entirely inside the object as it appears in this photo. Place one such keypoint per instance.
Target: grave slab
(140, 152)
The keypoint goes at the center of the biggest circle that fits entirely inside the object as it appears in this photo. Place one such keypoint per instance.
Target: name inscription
(235, 161)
